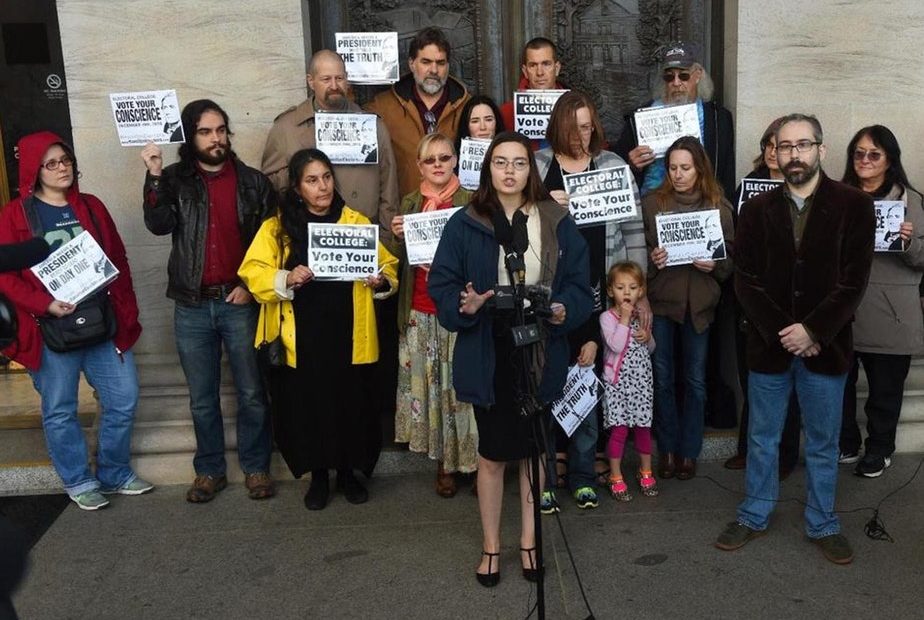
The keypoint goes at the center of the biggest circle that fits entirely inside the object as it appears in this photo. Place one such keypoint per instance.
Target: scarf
(434, 198)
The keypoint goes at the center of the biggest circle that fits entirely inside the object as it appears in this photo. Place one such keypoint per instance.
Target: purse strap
(281, 264)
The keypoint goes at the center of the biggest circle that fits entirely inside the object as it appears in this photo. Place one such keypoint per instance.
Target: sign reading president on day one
(658, 128)
(347, 138)
(696, 235)
(531, 111)
(471, 157)
(369, 57)
(76, 270)
(343, 252)
(149, 116)
(601, 195)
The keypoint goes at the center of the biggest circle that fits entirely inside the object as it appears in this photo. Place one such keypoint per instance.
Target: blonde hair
(627, 268)
(423, 147)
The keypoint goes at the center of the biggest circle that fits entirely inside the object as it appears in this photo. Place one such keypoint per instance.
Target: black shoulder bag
(272, 353)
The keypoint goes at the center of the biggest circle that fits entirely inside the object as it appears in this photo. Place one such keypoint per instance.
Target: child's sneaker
(549, 504)
(649, 485)
(618, 489)
(586, 497)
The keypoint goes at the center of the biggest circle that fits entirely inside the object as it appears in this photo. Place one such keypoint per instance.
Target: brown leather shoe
(205, 488)
(667, 465)
(736, 462)
(686, 469)
(259, 485)
(445, 484)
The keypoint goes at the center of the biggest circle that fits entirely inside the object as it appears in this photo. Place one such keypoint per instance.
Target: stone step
(171, 403)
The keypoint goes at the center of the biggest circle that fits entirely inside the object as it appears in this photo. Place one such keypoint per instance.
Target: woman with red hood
(50, 205)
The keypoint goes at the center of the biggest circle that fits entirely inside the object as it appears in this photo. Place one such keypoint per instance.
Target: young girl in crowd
(628, 390)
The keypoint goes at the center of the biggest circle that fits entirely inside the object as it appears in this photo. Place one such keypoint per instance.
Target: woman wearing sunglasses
(889, 326)
(428, 417)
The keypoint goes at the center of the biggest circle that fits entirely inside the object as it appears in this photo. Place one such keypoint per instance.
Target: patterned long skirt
(428, 417)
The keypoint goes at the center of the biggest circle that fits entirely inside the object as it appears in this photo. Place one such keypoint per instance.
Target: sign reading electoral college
(347, 138)
(471, 156)
(601, 195)
(343, 252)
(531, 110)
(150, 116)
(753, 187)
(659, 128)
(889, 217)
(369, 57)
(580, 396)
(76, 270)
(696, 235)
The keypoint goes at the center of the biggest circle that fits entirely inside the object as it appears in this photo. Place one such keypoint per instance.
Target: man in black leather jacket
(212, 204)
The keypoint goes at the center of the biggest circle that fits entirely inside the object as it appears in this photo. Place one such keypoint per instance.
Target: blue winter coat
(468, 252)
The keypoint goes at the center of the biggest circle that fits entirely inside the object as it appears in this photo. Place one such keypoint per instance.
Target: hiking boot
(872, 465)
(735, 536)
(549, 505)
(835, 548)
(204, 488)
(90, 500)
(136, 486)
(259, 485)
(586, 497)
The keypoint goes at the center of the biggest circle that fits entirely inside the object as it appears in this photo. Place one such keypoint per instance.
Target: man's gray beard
(679, 99)
(431, 86)
(338, 102)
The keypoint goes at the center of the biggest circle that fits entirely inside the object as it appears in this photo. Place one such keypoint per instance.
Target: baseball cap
(679, 54)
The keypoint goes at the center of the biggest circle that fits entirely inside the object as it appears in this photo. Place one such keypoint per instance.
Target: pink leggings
(617, 442)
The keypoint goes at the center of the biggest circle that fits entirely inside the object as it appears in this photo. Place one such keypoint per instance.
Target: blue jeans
(821, 399)
(582, 450)
(200, 331)
(679, 431)
(114, 378)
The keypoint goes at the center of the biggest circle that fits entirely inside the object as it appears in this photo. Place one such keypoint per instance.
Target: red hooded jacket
(25, 290)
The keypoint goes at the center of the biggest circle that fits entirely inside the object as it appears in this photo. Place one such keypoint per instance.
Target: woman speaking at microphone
(468, 265)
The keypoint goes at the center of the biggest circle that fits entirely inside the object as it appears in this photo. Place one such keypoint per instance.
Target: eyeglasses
(433, 159)
(430, 120)
(53, 164)
(802, 146)
(670, 76)
(872, 156)
(501, 163)
(769, 146)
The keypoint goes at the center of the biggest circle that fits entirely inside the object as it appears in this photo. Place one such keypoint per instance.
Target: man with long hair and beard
(212, 204)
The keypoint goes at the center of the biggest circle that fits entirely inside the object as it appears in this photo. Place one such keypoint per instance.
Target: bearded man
(212, 204)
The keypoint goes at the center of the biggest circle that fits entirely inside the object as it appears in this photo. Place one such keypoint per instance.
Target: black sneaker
(872, 465)
(847, 458)
(354, 492)
(319, 491)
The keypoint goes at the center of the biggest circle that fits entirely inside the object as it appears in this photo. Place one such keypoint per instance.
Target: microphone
(16, 256)
(520, 234)
(514, 240)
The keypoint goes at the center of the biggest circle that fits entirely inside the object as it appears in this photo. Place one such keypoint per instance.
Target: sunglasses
(433, 159)
(669, 76)
(872, 156)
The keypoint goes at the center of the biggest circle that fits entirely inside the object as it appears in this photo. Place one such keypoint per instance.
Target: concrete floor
(410, 554)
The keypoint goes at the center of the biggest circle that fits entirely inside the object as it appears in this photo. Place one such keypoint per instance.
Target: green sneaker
(586, 497)
(835, 548)
(136, 486)
(735, 536)
(90, 500)
(549, 504)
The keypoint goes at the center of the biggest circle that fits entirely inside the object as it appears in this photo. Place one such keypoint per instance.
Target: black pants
(885, 375)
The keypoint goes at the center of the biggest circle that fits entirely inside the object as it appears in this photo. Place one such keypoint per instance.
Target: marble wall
(851, 64)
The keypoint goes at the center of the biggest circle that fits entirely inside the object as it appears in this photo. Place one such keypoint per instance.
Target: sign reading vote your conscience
(471, 157)
(889, 217)
(658, 128)
(754, 187)
(76, 270)
(579, 399)
(687, 237)
(369, 57)
(150, 116)
(531, 110)
(601, 195)
(422, 232)
(347, 138)
(343, 252)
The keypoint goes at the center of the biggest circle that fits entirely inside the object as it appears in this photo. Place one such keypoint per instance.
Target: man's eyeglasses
(430, 120)
(53, 164)
(802, 146)
(501, 163)
(872, 156)
(670, 76)
(436, 158)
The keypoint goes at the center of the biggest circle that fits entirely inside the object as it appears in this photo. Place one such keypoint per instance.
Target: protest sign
(601, 195)
(343, 252)
(471, 156)
(369, 57)
(151, 116)
(696, 235)
(347, 138)
(422, 233)
(889, 217)
(659, 128)
(531, 110)
(753, 187)
(580, 396)
(76, 270)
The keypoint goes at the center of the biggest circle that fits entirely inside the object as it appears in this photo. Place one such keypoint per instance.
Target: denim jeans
(820, 398)
(114, 378)
(200, 331)
(679, 431)
(582, 450)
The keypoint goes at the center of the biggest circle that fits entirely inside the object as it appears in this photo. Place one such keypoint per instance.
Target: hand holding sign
(659, 257)
(153, 158)
(299, 277)
(60, 308)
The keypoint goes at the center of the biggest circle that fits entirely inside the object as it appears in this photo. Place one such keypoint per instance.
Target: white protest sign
(343, 252)
(753, 187)
(579, 399)
(422, 232)
(696, 235)
(150, 116)
(659, 128)
(471, 156)
(347, 138)
(601, 195)
(76, 270)
(531, 110)
(889, 217)
(370, 57)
